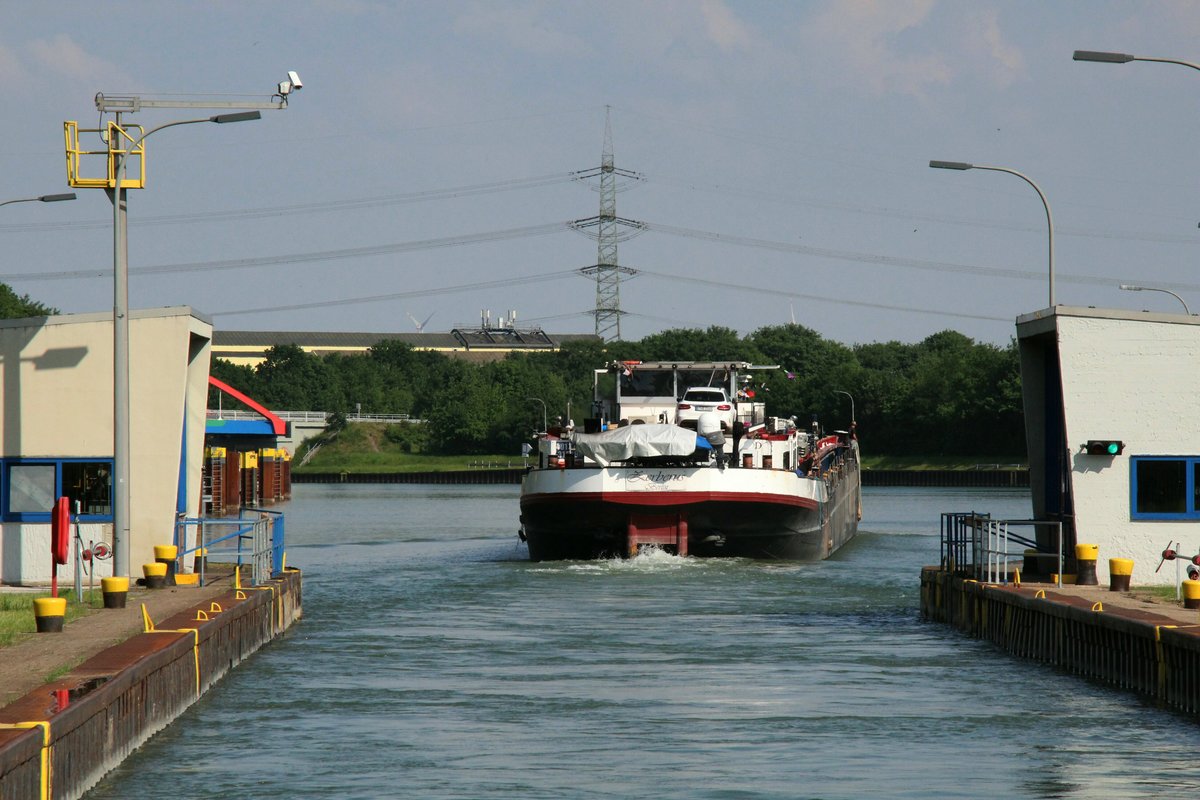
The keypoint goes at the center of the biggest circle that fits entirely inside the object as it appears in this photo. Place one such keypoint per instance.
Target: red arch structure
(278, 426)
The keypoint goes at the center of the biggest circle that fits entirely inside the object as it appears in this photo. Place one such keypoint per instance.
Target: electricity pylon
(608, 229)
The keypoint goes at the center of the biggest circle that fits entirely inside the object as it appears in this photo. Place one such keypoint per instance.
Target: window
(1165, 487)
(88, 483)
(32, 486)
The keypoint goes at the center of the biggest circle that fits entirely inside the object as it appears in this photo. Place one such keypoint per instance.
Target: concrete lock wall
(122, 696)
(56, 377)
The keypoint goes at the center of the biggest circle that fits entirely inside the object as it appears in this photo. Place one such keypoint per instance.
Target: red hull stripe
(667, 498)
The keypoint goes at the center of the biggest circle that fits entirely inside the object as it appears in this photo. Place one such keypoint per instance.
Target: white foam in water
(648, 559)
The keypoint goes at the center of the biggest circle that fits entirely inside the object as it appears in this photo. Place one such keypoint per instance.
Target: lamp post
(544, 415)
(1102, 57)
(121, 447)
(1124, 58)
(853, 418)
(960, 165)
(1131, 288)
(46, 198)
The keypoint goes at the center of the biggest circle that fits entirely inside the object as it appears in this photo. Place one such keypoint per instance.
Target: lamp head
(1102, 57)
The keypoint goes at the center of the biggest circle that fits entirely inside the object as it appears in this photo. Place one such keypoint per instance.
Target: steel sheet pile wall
(124, 695)
(1129, 648)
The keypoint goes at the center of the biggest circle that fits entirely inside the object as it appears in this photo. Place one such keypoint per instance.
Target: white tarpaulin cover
(636, 441)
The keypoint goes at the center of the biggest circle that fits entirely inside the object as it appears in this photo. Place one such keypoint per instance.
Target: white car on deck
(705, 400)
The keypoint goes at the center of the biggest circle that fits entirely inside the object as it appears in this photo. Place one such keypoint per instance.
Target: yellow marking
(46, 750)
(1098, 606)
(276, 600)
(1039, 594)
(239, 595)
(1017, 577)
(215, 607)
(147, 623)
(195, 647)
(201, 615)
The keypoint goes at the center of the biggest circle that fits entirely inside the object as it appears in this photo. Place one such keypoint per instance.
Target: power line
(379, 298)
(777, 292)
(355, 204)
(895, 261)
(299, 258)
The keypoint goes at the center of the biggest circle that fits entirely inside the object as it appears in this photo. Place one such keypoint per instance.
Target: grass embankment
(942, 462)
(376, 447)
(16, 612)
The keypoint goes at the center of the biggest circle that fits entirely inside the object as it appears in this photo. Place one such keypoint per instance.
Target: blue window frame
(1164, 487)
(29, 487)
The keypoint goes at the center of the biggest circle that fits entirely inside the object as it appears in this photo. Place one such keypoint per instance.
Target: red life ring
(60, 530)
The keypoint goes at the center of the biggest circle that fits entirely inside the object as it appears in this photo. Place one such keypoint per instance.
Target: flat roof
(1044, 321)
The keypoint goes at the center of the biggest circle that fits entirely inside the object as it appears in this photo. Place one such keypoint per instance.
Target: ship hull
(587, 513)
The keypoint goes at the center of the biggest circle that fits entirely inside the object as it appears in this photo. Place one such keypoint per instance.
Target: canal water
(435, 661)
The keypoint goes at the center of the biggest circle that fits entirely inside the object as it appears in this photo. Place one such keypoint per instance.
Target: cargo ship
(681, 456)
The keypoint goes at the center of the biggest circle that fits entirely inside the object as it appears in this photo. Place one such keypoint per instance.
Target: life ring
(60, 530)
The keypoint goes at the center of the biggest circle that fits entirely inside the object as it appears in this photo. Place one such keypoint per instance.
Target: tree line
(944, 396)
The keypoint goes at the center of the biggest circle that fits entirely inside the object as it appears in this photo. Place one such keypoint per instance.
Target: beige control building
(56, 432)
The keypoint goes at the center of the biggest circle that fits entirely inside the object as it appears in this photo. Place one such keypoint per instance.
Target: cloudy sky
(427, 168)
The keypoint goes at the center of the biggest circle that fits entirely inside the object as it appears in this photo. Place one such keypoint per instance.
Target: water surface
(435, 661)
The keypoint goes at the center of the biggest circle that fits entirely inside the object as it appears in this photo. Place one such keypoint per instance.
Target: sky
(427, 170)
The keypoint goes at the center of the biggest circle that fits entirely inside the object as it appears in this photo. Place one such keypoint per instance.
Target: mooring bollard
(201, 560)
(1085, 572)
(49, 613)
(166, 554)
(1191, 593)
(156, 575)
(115, 591)
(1120, 570)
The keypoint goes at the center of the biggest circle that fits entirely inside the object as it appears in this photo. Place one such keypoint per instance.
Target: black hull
(571, 528)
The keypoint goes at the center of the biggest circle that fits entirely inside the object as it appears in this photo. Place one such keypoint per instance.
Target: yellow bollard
(1191, 594)
(167, 554)
(156, 575)
(1120, 570)
(49, 613)
(115, 591)
(1085, 556)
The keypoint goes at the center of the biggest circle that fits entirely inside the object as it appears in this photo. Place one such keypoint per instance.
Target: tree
(14, 306)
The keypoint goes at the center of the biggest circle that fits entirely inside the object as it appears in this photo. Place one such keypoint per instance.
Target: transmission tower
(608, 229)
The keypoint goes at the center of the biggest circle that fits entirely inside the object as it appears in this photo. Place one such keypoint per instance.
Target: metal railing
(308, 416)
(974, 544)
(256, 537)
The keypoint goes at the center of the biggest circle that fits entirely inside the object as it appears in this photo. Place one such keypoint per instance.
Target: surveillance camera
(295, 80)
(285, 88)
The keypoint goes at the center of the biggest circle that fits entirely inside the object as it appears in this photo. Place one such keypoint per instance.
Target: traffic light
(1104, 447)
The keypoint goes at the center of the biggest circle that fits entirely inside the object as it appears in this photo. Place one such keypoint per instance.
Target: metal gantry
(121, 145)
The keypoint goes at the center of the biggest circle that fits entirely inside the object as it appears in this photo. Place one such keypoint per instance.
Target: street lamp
(46, 198)
(121, 446)
(544, 416)
(1131, 288)
(960, 165)
(1124, 58)
(853, 418)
